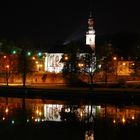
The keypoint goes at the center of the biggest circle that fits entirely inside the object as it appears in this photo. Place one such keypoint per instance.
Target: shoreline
(75, 94)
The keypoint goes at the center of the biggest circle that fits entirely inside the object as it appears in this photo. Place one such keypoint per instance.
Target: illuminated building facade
(52, 62)
(90, 34)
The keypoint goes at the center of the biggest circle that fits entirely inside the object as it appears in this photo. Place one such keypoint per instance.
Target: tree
(70, 60)
(25, 65)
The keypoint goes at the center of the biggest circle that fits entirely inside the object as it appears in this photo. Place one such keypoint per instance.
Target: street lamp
(115, 62)
(80, 65)
(66, 58)
(7, 74)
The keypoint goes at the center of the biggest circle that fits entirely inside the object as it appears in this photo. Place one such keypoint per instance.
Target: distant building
(52, 62)
(123, 68)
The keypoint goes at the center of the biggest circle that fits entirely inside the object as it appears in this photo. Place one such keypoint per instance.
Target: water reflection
(96, 119)
(48, 110)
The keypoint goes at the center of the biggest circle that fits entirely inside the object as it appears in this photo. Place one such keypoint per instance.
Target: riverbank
(75, 94)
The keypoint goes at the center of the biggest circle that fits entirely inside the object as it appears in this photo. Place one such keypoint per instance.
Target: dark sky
(51, 21)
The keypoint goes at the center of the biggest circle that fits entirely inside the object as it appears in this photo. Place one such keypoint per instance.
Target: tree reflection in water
(110, 121)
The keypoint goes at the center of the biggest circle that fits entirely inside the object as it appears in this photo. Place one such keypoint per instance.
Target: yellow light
(66, 58)
(123, 120)
(4, 56)
(114, 58)
(37, 111)
(133, 117)
(124, 64)
(6, 110)
(40, 113)
(114, 121)
(36, 62)
(41, 65)
(81, 114)
(80, 64)
(33, 58)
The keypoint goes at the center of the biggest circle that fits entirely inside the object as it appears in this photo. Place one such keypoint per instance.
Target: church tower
(90, 34)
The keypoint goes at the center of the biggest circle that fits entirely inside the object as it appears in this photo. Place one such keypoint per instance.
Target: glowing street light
(7, 66)
(66, 58)
(33, 58)
(14, 52)
(114, 121)
(114, 58)
(29, 53)
(4, 56)
(80, 65)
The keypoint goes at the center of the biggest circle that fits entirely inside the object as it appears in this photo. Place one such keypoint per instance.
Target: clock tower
(90, 34)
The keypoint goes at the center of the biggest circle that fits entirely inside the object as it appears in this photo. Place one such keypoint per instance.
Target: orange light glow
(66, 58)
(123, 120)
(33, 58)
(114, 58)
(6, 110)
(4, 56)
(124, 64)
(7, 66)
(133, 117)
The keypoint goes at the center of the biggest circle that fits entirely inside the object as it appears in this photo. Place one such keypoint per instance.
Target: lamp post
(7, 74)
(115, 61)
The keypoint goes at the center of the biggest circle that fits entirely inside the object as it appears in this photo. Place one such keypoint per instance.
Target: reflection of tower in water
(89, 135)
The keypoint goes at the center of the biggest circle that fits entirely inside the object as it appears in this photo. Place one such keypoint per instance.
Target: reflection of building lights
(67, 110)
(114, 121)
(38, 119)
(3, 118)
(13, 122)
(37, 112)
(81, 114)
(35, 120)
(133, 117)
(80, 64)
(40, 113)
(6, 110)
(123, 120)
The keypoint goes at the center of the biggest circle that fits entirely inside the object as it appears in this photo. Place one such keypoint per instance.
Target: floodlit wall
(52, 62)
(124, 68)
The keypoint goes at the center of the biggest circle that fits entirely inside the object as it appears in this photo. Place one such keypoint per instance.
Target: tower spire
(90, 34)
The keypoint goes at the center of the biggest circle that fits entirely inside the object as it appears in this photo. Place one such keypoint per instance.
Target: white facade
(90, 38)
(52, 62)
(90, 34)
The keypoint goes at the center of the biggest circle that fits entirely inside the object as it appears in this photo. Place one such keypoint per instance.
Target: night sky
(52, 21)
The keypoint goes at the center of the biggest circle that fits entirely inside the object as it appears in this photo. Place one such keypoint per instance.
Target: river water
(55, 119)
